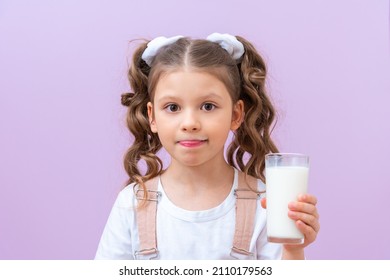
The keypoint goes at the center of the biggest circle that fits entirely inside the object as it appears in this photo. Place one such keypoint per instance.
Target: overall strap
(146, 219)
(246, 203)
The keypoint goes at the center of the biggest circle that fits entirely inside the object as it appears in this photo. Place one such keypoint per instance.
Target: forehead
(179, 76)
(189, 82)
(220, 73)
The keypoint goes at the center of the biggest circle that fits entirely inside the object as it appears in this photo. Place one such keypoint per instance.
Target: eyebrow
(167, 97)
(179, 98)
(211, 96)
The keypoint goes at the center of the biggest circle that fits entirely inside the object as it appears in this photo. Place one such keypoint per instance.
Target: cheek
(220, 126)
(163, 126)
(166, 138)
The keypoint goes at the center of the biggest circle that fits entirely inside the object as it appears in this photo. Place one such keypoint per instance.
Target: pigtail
(253, 136)
(146, 143)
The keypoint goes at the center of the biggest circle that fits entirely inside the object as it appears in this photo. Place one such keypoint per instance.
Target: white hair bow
(154, 46)
(228, 42)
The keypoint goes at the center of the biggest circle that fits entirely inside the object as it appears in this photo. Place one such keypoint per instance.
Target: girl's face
(192, 112)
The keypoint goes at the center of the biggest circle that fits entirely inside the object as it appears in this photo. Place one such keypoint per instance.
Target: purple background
(63, 135)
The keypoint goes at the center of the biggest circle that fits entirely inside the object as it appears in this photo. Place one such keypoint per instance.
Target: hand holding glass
(286, 178)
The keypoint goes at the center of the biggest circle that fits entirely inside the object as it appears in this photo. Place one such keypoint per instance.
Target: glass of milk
(286, 178)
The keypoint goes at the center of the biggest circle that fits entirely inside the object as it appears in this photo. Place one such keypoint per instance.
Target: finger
(309, 233)
(303, 207)
(308, 219)
(263, 202)
(308, 198)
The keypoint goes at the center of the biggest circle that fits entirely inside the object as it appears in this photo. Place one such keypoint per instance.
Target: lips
(192, 143)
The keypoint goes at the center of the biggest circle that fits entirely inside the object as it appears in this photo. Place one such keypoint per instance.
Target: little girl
(187, 96)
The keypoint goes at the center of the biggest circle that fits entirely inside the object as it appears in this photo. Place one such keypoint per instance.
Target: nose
(190, 122)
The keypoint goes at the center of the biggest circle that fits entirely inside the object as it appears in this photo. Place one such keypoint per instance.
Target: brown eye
(208, 107)
(172, 108)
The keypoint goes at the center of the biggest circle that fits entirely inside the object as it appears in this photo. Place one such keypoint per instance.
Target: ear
(238, 115)
(152, 121)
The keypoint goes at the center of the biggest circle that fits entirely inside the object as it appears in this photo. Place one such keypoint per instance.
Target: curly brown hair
(245, 80)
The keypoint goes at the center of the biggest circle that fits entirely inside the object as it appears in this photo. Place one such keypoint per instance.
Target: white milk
(284, 184)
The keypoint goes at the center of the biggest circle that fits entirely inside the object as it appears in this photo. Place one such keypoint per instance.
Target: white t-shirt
(183, 234)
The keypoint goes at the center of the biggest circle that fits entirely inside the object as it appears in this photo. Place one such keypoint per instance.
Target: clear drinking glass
(286, 178)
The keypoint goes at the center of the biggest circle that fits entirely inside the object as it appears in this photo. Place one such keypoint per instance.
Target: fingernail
(291, 214)
(292, 204)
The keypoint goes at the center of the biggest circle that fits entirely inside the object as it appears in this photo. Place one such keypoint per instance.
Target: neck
(197, 187)
(203, 176)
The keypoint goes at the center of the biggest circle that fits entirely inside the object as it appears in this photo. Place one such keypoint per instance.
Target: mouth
(191, 143)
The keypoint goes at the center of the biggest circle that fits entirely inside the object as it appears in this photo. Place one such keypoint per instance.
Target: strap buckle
(237, 253)
(247, 194)
(151, 251)
(152, 195)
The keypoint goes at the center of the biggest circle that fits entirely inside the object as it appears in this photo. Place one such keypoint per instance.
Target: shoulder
(260, 185)
(126, 197)
(253, 182)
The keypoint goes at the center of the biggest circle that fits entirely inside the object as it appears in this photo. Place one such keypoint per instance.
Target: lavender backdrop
(62, 133)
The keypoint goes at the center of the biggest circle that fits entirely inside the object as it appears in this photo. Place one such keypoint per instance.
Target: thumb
(263, 202)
